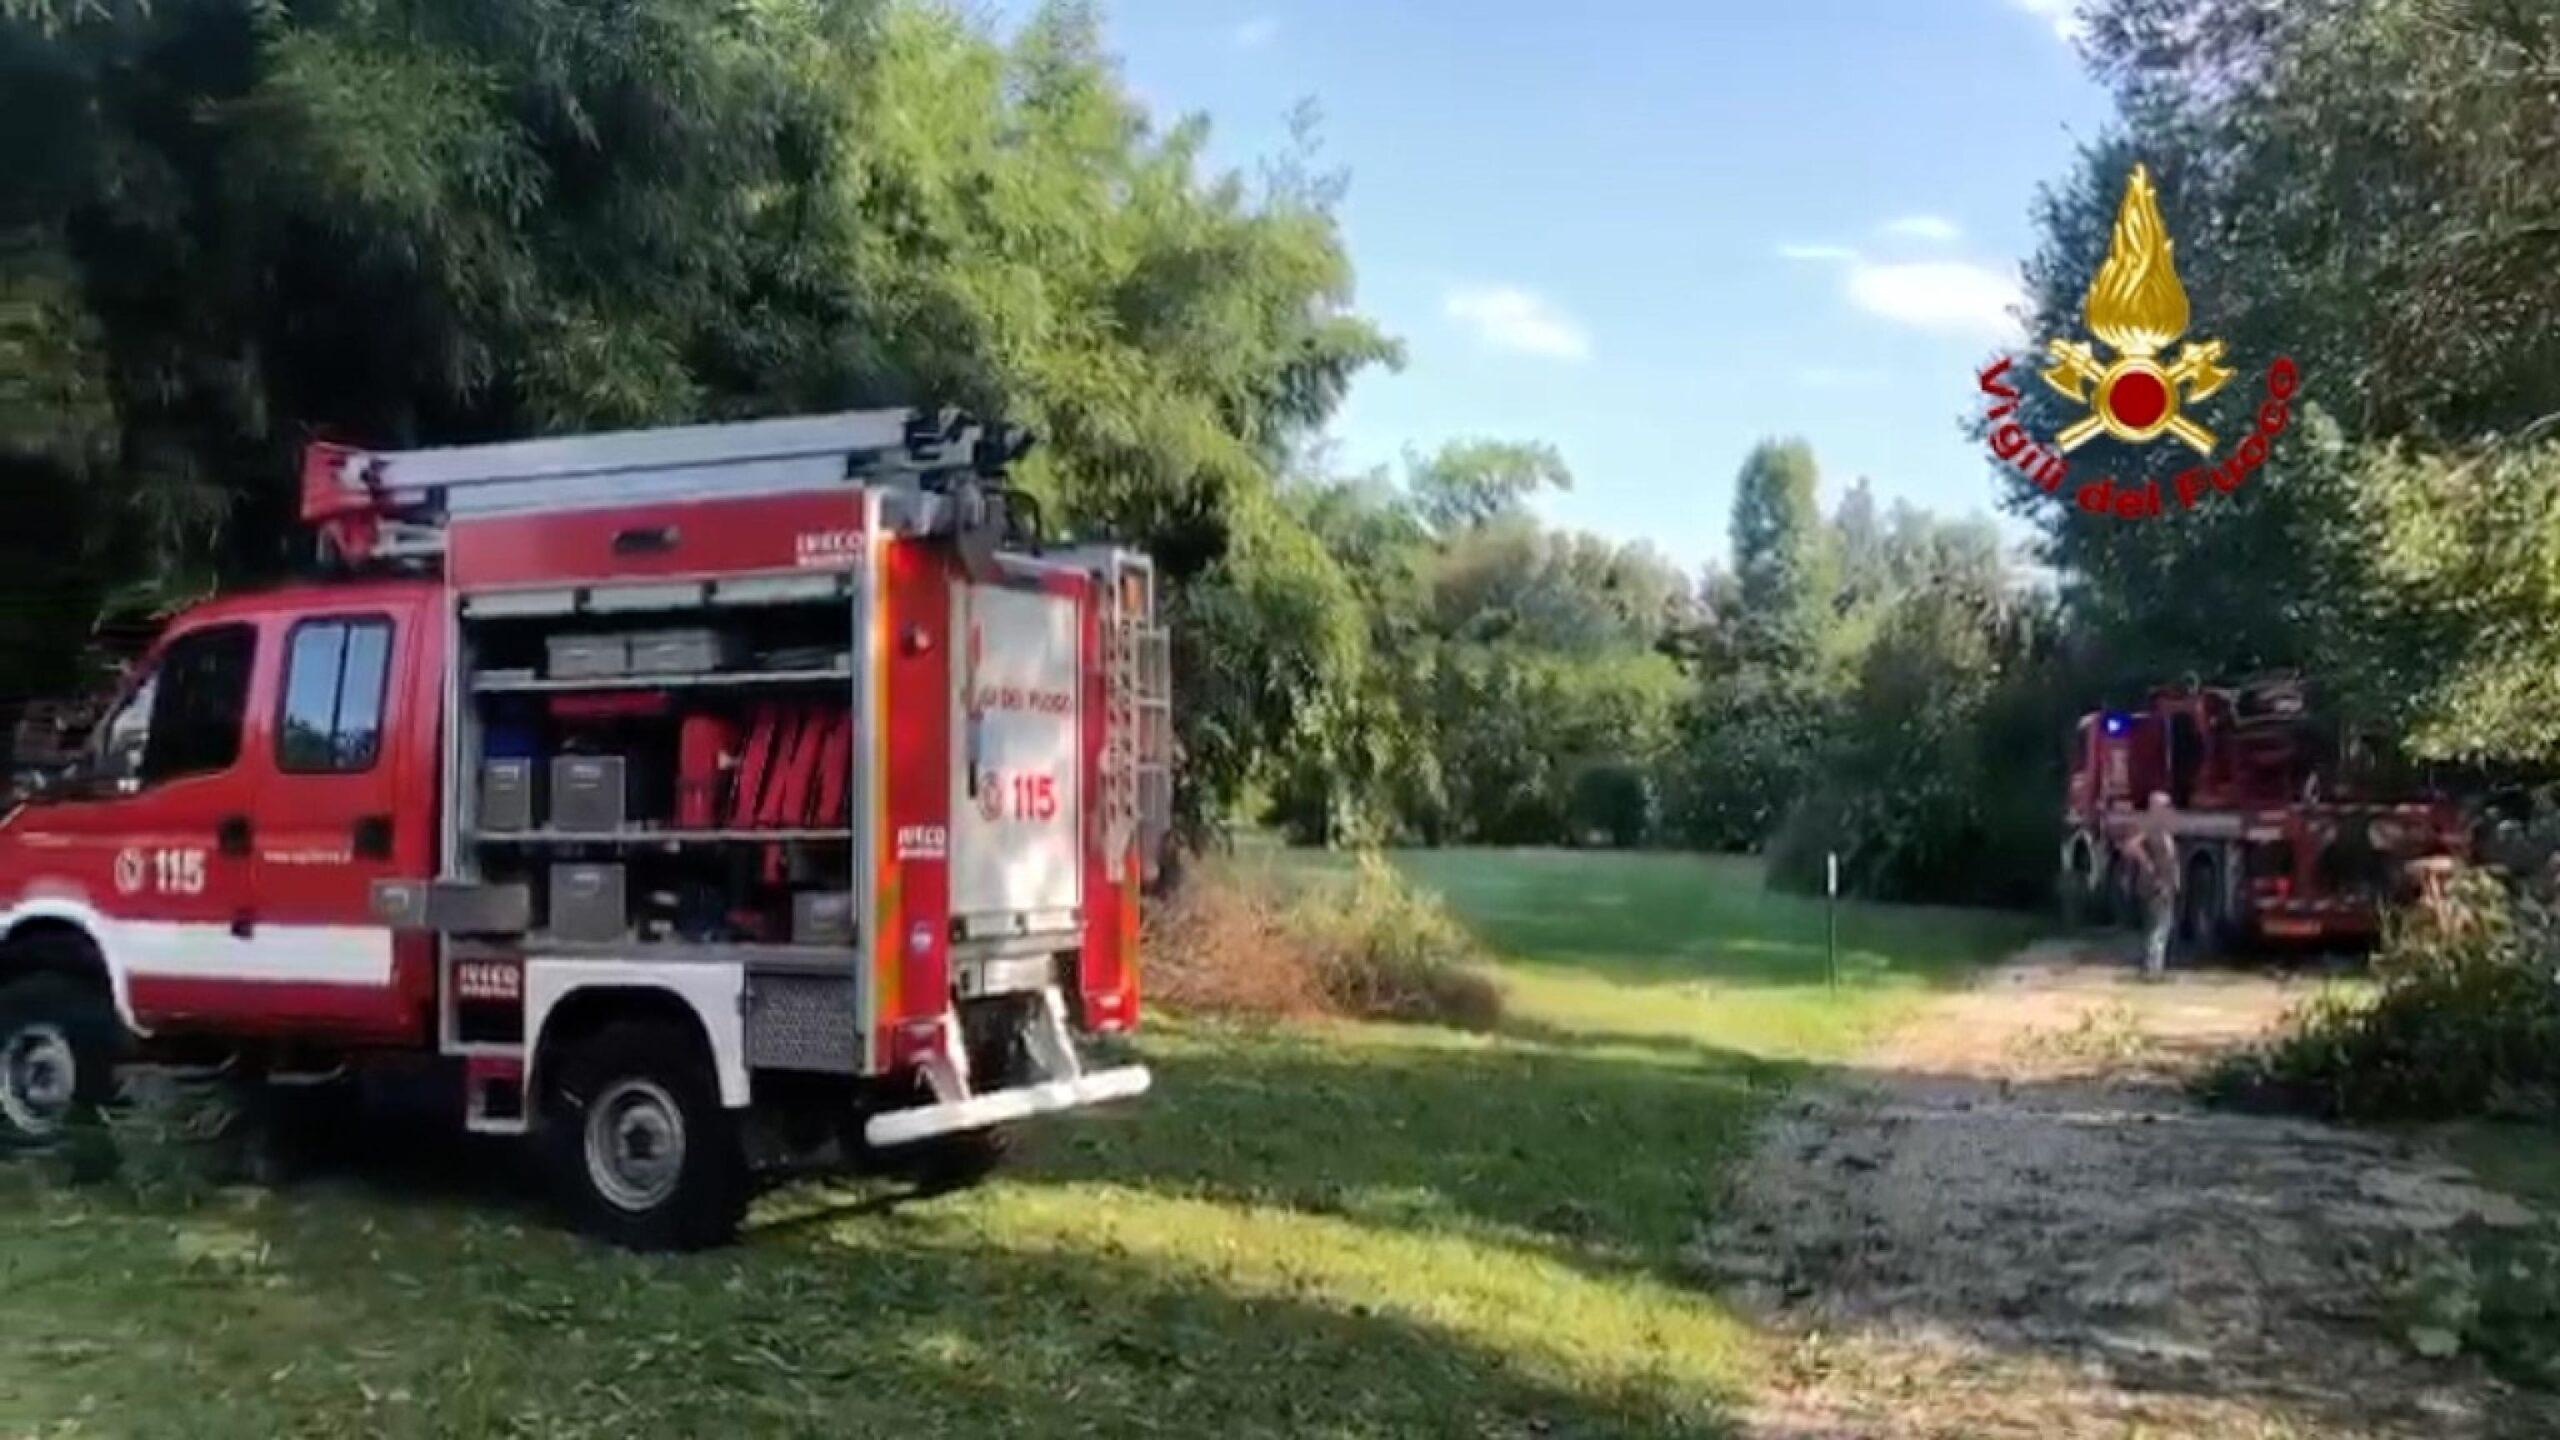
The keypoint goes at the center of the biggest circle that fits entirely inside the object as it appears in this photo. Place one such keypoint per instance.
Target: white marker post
(1831, 915)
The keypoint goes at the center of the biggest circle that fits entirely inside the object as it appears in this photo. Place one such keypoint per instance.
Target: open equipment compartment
(662, 765)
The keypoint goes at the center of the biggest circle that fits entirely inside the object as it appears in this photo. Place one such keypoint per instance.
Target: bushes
(1390, 951)
(1240, 940)
(1613, 802)
(2489, 1291)
(2465, 1019)
(1939, 776)
(1221, 946)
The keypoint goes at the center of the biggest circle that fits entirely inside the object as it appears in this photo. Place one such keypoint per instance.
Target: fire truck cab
(703, 801)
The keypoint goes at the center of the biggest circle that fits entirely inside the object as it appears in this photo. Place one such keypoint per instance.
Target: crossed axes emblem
(2136, 397)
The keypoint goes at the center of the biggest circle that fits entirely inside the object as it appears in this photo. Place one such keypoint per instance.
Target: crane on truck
(2278, 835)
(697, 803)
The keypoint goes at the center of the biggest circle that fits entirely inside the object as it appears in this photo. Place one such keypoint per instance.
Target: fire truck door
(341, 804)
(1016, 810)
(151, 837)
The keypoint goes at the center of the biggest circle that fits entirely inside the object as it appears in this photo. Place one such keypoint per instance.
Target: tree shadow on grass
(334, 1310)
(1593, 1042)
(1608, 1159)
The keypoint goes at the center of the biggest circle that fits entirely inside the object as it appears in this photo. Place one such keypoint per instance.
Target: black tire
(949, 1163)
(639, 1149)
(299, 1130)
(2204, 923)
(59, 1041)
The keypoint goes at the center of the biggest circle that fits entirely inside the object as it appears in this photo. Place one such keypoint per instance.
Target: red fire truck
(2279, 839)
(700, 800)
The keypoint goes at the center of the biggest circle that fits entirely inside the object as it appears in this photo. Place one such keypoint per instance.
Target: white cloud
(1508, 317)
(1951, 297)
(1947, 297)
(2062, 15)
(1923, 227)
(1255, 33)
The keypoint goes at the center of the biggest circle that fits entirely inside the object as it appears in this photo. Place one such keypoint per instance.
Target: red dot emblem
(2138, 400)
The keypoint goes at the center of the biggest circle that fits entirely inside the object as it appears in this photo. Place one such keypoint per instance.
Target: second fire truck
(2278, 838)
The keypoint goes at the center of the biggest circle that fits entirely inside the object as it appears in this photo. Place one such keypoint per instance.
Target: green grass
(1684, 948)
(2520, 1157)
(1341, 1229)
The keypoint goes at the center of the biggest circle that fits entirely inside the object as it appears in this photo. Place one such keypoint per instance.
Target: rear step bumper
(997, 1107)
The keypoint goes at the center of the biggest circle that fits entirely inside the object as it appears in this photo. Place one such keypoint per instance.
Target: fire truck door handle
(645, 540)
(372, 839)
(244, 925)
(231, 837)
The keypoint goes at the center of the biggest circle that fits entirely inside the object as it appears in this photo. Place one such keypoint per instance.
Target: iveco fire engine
(2278, 836)
(697, 800)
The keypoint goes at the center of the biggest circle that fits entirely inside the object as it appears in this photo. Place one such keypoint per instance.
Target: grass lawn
(2520, 1157)
(1306, 1230)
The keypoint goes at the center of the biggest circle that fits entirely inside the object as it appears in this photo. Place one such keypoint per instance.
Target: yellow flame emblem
(2137, 306)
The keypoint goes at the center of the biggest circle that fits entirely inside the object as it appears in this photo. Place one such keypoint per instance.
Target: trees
(1467, 483)
(2372, 186)
(425, 221)
(1938, 777)
(2441, 618)
(1028, 245)
(1783, 564)
(1750, 732)
(1516, 687)
(1876, 685)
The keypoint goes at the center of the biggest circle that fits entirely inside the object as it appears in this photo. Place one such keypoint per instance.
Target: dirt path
(2010, 1221)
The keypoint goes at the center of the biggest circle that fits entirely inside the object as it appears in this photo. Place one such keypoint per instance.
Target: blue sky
(1653, 232)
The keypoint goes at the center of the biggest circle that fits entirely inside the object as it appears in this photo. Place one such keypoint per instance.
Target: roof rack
(394, 504)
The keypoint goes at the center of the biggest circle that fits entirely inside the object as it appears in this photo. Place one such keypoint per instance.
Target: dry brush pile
(1244, 940)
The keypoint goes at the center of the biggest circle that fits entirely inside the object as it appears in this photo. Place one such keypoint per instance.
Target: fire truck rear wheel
(2207, 921)
(57, 1057)
(641, 1152)
(949, 1163)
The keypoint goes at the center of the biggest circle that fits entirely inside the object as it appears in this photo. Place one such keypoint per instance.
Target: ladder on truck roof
(393, 504)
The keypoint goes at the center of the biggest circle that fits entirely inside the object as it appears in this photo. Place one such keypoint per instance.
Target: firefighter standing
(2154, 853)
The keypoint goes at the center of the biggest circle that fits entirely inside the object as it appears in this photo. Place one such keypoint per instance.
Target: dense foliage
(2373, 187)
(1519, 686)
(2465, 1019)
(427, 221)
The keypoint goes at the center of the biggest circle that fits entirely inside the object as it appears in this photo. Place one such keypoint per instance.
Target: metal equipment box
(506, 795)
(588, 902)
(586, 657)
(589, 793)
(822, 917)
(694, 650)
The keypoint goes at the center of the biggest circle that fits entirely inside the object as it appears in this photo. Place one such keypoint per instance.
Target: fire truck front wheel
(640, 1151)
(57, 1056)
